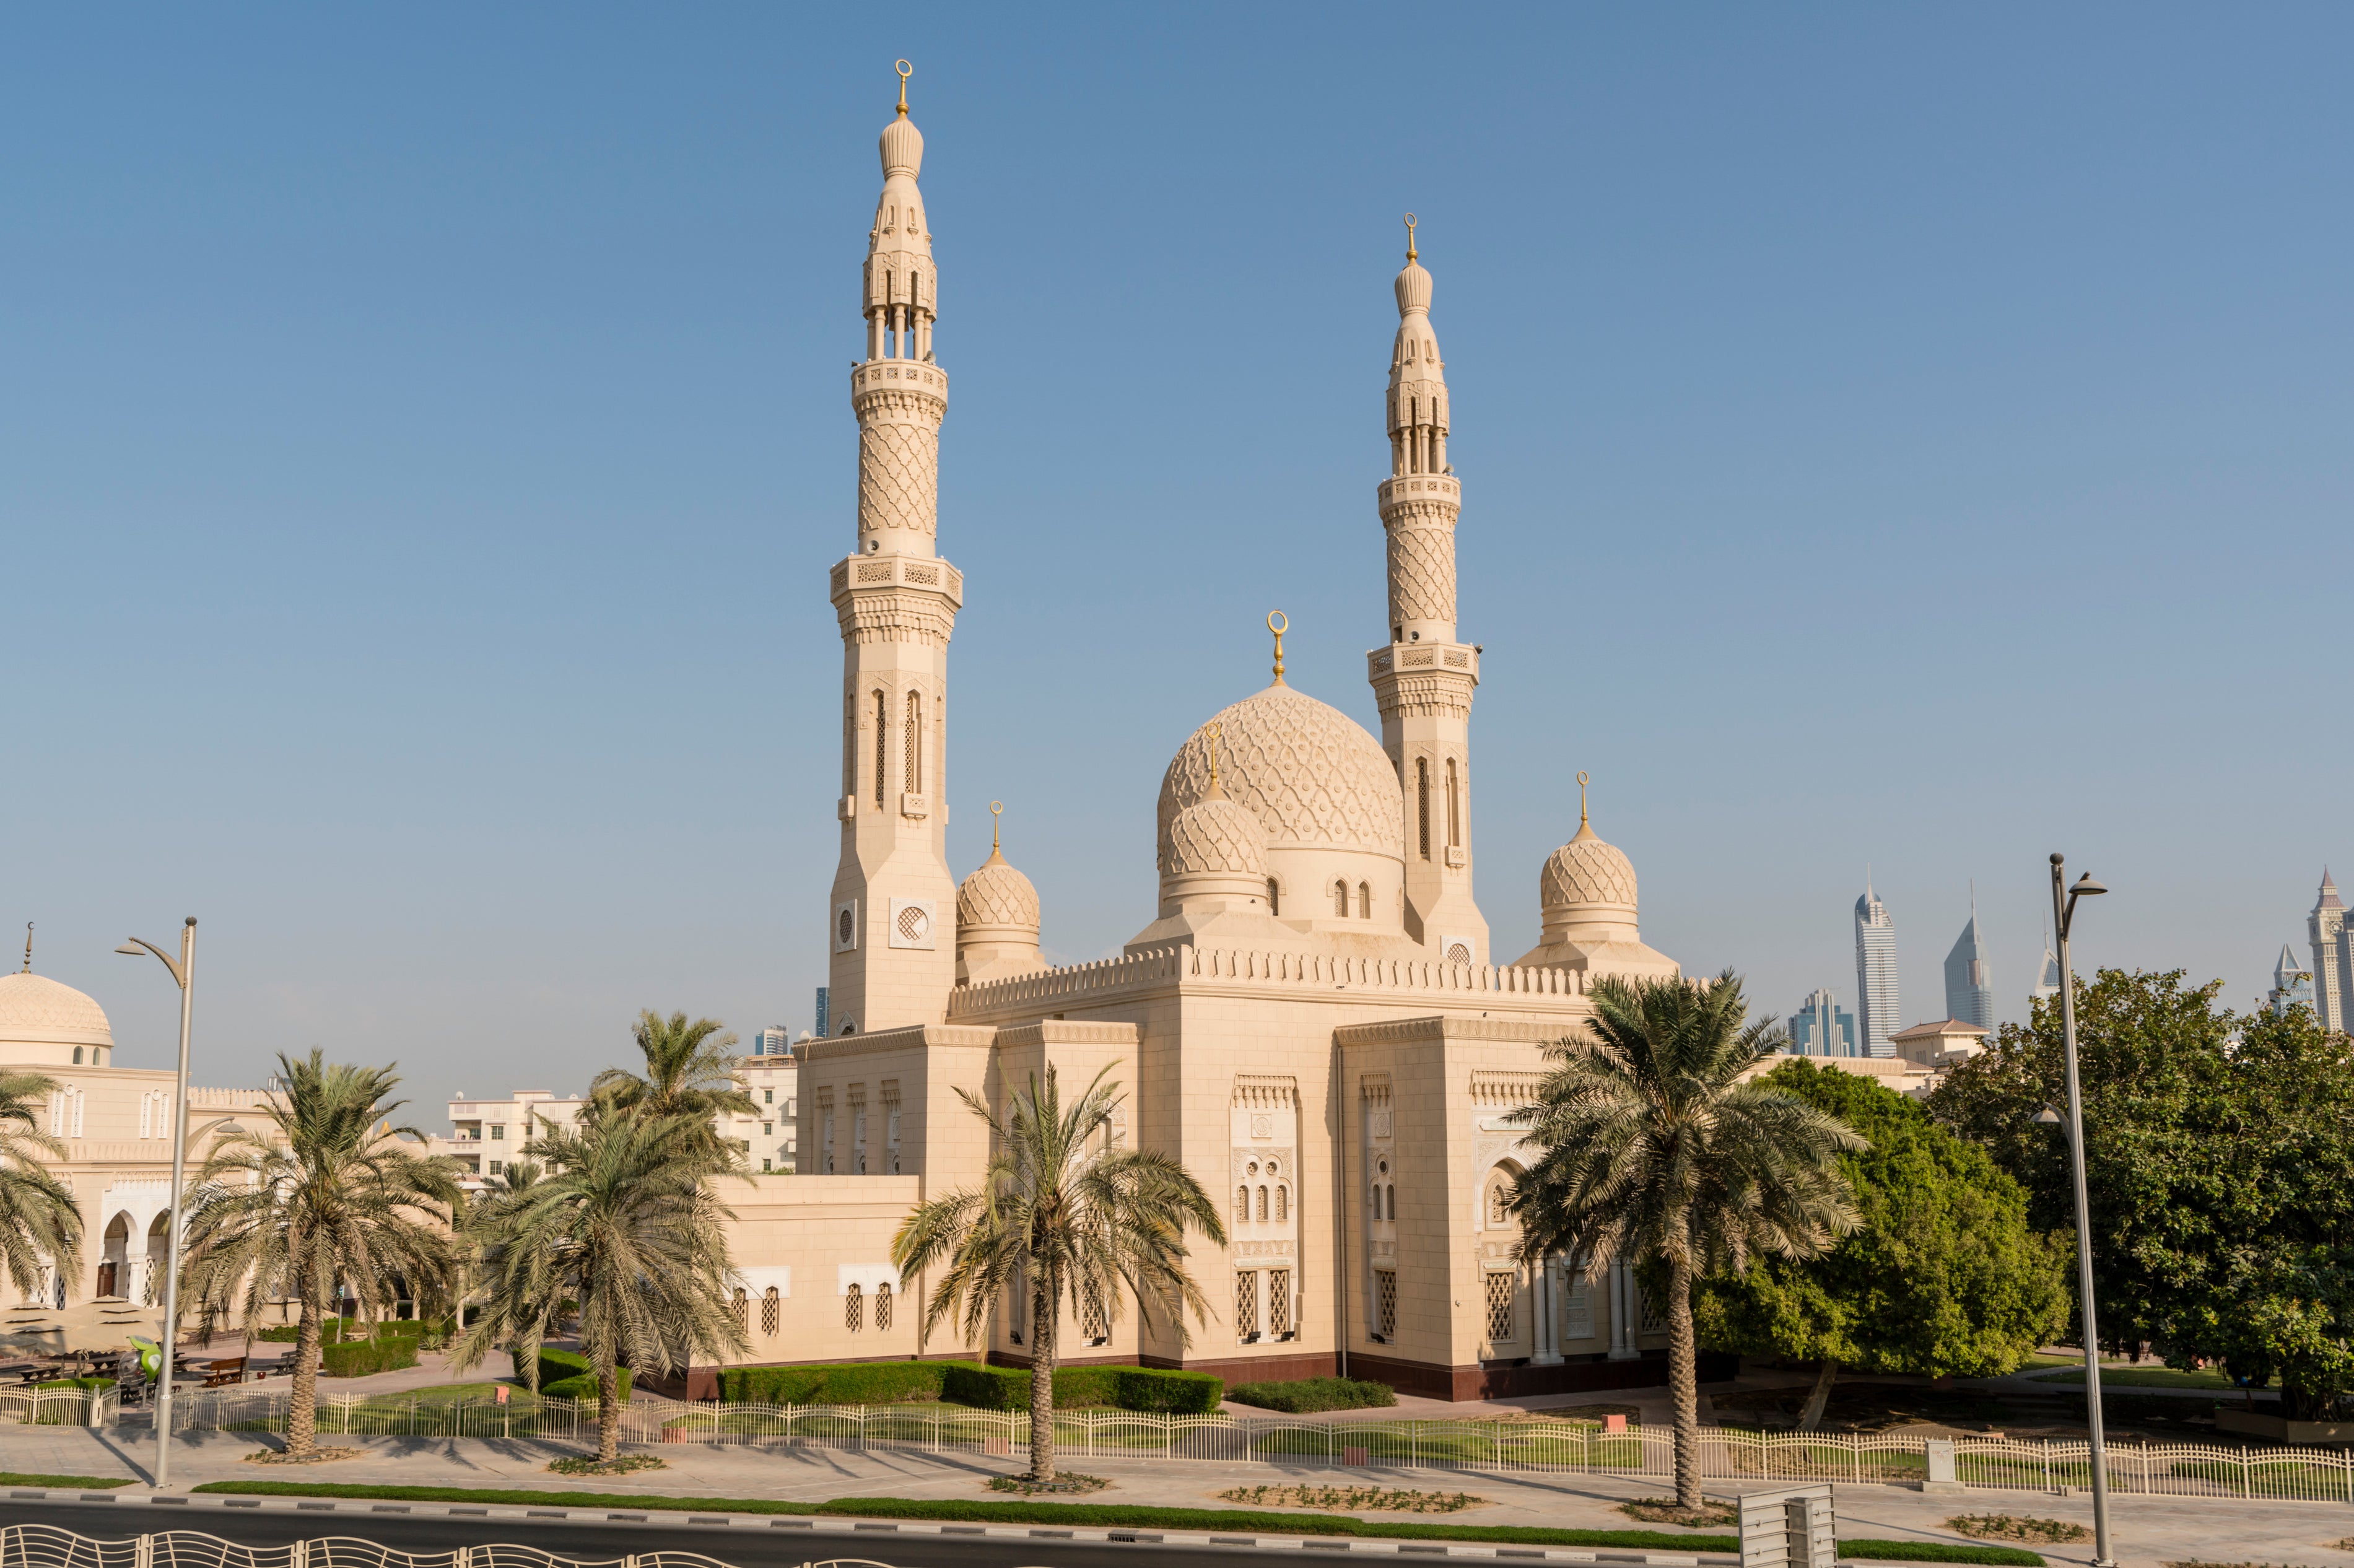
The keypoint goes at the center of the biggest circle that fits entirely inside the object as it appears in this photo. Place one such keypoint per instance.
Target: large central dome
(1309, 773)
(35, 1009)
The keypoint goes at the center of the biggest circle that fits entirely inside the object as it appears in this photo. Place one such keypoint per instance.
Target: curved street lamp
(183, 973)
(2063, 914)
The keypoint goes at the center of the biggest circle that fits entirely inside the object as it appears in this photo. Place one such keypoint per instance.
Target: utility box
(1792, 1528)
(1939, 1455)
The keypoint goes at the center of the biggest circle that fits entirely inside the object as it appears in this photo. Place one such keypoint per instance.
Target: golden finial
(1581, 798)
(1409, 237)
(906, 70)
(1279, 623)
(1214, 792)
(29, 947)
(996, 811)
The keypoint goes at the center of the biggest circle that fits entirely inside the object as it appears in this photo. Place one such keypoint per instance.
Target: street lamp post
(183, 973)
(2063, 911)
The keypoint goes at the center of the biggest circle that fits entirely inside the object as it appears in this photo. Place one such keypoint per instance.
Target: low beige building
(1936, 1046)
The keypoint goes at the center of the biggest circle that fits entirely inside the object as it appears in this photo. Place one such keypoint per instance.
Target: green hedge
(77, 1383)
(567, 1374)
(851, 1383)
(358, 1358)
(1306, 1395)
(1127, 1388)
(1938, 1552)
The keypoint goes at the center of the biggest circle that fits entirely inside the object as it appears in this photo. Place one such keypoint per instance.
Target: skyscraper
(772, 1041)
(1822, 1028)
(2292, 984)
(2326, 929)
(1969, 985)
(1875, 973)
(2047, 974)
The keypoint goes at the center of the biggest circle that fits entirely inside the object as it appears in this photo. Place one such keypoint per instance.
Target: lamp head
(134, 948)
(2086, 887)
(2047, 1117)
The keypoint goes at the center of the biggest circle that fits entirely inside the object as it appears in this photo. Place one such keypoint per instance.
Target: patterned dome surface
(997, 895)
(1586, 871)
(33, 1007)
(1214, 836)
(1306, 770)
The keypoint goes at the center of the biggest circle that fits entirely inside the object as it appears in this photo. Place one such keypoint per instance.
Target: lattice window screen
(1245, 1303)
(854, 1309)
(771, 1310)
(1649, 1318)
(1279, 1301)
(883, 1305)
(743, 1310)
(1094, 1325)
(1500, 1291)
(1385, 1302)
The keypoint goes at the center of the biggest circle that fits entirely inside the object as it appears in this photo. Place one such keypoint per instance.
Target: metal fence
(1505, 1445)
(45, 1546)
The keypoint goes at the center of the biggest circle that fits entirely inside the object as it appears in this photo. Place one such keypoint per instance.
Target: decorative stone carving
(1307, 772)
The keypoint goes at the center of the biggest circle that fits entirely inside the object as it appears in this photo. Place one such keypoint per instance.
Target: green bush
(1127, 1388)
(358, 1358)
(848, 1382)
(567, 1374)
(1938, 1552)
(1306, 1395)
(77, 1383)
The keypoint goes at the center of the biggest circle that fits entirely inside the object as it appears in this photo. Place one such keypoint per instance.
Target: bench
(221, 1373)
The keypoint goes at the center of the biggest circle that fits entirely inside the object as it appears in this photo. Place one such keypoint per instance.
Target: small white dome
(997, 895)
(33, 1008)
(1586, 871)
(1413, 287)
(1214, 836)
(903, 147)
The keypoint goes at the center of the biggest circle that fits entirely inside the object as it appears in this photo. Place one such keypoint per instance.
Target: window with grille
(1282, 1205)
(1499, 1199)
(1340, 899)
(882, 746)
(1650, 1319)
(1500, 1292)
(771, 1312)
(1247, 1304)
(1386, 1303)
(1094, 1325)
(1454, 809)
(1422, 801)
(914, 744)
(1278, 1302)
(1262, 1206)
(883, 1305)
(1242, 1205)
(743, 1310)
(854, 1309)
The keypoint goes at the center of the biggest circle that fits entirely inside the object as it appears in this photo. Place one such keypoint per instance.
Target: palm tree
(1653, 1148)
(1064, 1218)
(40, 1224)
(689, 1070)
(329, 1199)
(624, 1230)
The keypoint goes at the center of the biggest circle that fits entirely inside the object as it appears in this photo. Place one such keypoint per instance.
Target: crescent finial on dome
(1279, 623)
(1585, 822)
(905, 70)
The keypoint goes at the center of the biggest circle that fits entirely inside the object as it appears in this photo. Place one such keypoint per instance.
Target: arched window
(1364, 901)
(1377, 1199)
(1274, 900)
(1422, 801)
(78, 1049)
(1394, 1202)
(1499, 1199)
(1242, 1205)
(1454, 809)
(1262, 1206)
(743, 1310)
(1282, 1205)
(914, 744)
(883, 1305)
(1340, 907)
(771, 1310)
(854, 1310)
(882, 745)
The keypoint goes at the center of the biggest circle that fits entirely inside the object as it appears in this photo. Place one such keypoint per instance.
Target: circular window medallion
(914, 923)
(843, 927)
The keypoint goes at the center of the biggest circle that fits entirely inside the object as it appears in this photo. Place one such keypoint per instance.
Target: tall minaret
(1424, 679)
(893, 931)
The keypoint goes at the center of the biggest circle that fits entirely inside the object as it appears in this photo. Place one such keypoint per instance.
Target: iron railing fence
(46, 1546)
(1509, 1445)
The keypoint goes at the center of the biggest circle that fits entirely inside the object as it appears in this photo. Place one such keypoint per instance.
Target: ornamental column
(891, 931)
(1425, 678)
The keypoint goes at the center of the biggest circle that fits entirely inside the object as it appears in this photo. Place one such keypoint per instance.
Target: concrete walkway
(2150, 1530)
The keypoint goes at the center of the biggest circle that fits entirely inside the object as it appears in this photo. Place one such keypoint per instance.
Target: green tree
(1065, 1219)
(689, 1070)
(328, 1201)
(1942, 1275)
(624, 1236)
(1652, 1147)
(40, 1224)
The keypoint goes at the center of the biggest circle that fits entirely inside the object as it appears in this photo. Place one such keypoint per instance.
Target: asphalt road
(742, 1546)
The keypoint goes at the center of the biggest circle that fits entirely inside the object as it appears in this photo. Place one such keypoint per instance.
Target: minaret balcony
(887, 572)
(1402, 658)
(1421, 487)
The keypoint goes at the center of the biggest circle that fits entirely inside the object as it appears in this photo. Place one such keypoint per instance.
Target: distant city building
(822, 1030)
(1875, 973)
(1822, 1028)
(2326, 929)
(1942, 1045)
(773, 1041)
(2292, 983)
(2047, 974)
(1969, 981)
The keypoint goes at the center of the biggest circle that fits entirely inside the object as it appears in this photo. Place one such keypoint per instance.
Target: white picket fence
(1502, 1446)
(60, 1406)
(46, 1546)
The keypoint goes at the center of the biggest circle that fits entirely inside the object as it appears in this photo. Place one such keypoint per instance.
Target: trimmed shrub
(1157, 1389)
(1127, 1388)
(77, 1383)
(567, 1374)
(850, 1383)
(1307, 1395)
(358, 1358)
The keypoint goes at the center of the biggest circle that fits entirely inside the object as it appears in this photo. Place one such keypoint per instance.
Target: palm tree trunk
(1683, 1383)
(1041, 1391)
(302, 1409)
(1811, 1417)
(608, 1410)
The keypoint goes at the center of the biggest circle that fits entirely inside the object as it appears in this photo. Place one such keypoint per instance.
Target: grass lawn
(2148, 1377)
(87, 1483)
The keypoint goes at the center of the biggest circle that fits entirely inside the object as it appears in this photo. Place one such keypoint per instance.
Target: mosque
(1316, 1021)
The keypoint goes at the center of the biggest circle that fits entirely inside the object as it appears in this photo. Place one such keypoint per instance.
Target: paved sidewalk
(2150, 1530)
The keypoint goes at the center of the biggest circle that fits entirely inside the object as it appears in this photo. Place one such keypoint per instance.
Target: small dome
(1586, 871)
(33, 1008)
(997, 895)
(1413, 287)
(1307, 772)
(903, 147)
(1214, 836)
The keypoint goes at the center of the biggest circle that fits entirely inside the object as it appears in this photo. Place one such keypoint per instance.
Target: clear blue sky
(1900, 435)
